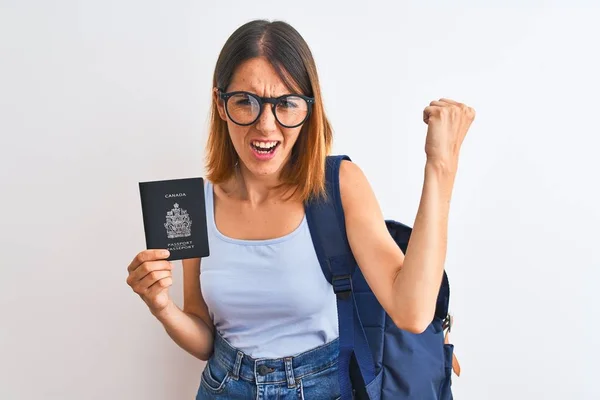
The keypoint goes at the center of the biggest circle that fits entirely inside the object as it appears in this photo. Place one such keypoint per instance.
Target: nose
(266, 122)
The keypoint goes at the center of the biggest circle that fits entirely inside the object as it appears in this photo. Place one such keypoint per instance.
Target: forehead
(257, 75)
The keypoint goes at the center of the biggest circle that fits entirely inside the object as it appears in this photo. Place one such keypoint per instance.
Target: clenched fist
(448, 122)
(150, 277)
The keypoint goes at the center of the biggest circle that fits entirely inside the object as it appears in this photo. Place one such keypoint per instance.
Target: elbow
(203, 356)
(413, 324)
(413, 316)
(414, 327)
(202, 352)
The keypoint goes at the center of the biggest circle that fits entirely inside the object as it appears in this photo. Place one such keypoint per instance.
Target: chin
(265, 164)
(262, 169)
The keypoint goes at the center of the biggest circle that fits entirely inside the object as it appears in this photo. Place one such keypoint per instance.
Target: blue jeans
(231, 374)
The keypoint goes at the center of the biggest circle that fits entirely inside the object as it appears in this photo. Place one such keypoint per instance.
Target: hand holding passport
(174, 216)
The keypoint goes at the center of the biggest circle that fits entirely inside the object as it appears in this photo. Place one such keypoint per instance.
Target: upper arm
(376, 253)
(193, 302)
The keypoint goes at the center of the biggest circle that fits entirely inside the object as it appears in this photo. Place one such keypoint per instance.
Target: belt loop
(289, 372)
(237, 365)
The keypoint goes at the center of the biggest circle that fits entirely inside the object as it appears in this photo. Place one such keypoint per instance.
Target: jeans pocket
(320, 385)
(215, 376)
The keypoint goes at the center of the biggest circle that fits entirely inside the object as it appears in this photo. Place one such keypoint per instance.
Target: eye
(242, 100)
(289, 102)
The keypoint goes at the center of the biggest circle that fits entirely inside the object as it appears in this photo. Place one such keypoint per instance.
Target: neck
(256, 190)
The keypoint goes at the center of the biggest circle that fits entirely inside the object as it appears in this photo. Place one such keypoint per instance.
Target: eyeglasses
(244, 108)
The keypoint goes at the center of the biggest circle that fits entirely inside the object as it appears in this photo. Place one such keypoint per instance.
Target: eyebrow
(273, 97)
(254, 91)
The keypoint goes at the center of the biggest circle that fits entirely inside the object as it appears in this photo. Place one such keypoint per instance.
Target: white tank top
(268, 298)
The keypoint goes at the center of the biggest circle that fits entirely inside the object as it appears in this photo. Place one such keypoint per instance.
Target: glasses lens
(243, 108)
(291, 110)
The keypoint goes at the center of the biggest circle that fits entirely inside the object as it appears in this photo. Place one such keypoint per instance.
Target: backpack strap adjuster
(342, 286)
(447, 323)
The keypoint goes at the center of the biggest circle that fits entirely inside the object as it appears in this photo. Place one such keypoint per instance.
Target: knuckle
(137, 289)
(165, 282)
(147, 268)
(141, 257)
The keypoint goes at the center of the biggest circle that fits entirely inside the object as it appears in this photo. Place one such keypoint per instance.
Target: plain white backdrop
(96, 96)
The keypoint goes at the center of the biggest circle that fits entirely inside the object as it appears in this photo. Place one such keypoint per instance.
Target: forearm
(417, 283)
(188, 331)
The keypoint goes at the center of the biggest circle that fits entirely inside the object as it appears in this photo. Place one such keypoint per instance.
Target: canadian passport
(174, 217)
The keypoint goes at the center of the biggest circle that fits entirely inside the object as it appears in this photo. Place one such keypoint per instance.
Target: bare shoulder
(365, 223)
(354, 185)
(361, 208)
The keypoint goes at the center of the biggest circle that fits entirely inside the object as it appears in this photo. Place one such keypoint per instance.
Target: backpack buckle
(342, 286)
(447, 323)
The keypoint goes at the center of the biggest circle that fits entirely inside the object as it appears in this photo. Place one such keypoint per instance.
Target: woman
(263, 314)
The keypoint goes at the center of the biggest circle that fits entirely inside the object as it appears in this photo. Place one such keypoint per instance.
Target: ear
(220, 104)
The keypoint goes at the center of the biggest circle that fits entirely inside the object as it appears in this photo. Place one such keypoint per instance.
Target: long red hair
(291, 57)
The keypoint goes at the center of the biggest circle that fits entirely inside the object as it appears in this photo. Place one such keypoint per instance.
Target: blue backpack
(377, 361)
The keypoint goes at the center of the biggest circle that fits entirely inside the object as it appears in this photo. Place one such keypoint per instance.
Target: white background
(96, 96)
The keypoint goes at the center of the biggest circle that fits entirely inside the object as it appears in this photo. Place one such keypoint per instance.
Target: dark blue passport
(174, 216)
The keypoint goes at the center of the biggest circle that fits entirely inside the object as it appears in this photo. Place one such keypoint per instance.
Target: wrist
(440, 177)
(441, 166)
(166, 312)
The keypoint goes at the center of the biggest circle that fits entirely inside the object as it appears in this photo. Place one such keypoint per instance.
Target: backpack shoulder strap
(328, 230)
(327, 225)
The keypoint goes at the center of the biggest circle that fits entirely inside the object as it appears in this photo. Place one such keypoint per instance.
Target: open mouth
(264, 147)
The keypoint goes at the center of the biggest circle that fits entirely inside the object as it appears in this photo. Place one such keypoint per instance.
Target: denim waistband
(274, 370)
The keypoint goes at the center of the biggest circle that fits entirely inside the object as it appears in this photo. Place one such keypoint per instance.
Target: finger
(151, 279)
(426, 113)
(471, 112)
(430, 111)
(437, 103)
(149, 267)
(450, 101)
(146, 268)
(159, 286)
(465, 108)
(147, 255)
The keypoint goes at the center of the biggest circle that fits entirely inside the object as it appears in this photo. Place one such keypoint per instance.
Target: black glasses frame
(225, 96)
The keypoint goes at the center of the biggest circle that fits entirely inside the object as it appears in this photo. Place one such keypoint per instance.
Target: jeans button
(263, 370)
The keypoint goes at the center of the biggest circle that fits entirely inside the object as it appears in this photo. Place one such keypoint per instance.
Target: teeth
(264, 145)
